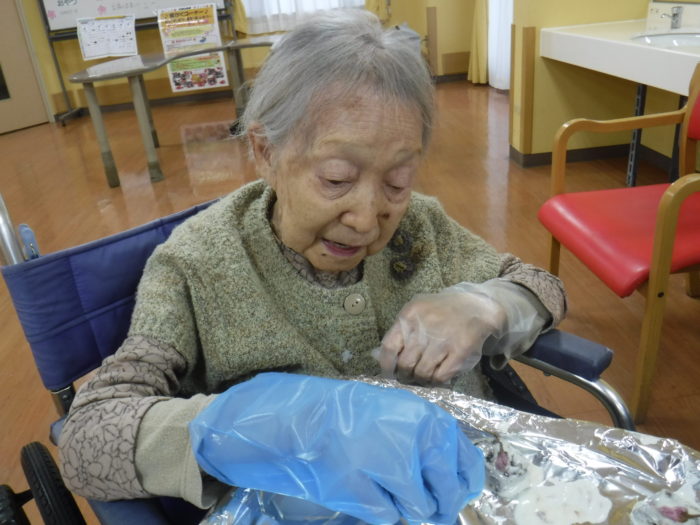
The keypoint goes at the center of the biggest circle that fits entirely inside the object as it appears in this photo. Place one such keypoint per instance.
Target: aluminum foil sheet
(561, 471)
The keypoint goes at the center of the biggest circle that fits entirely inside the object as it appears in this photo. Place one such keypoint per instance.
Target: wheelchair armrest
(571, 353)
(580, 362)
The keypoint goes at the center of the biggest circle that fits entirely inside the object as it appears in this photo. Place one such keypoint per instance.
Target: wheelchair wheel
(11, 512)
(55, 502)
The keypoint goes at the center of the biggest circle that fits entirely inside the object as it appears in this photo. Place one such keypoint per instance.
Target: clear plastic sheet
(540, 471)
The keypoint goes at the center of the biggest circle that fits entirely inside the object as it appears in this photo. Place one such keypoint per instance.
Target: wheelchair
(75, 307)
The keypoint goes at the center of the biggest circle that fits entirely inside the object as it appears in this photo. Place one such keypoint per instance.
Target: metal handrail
(10, 248)
(602, 391)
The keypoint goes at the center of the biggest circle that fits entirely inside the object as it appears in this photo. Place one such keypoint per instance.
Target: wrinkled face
(341, 198)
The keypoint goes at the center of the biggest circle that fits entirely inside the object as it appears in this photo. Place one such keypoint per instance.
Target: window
(267, 16)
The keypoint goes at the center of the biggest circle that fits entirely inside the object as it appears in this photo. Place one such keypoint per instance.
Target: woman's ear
(262, 153)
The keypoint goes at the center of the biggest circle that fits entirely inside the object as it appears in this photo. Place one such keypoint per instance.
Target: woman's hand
(437, 336)
(379, 454)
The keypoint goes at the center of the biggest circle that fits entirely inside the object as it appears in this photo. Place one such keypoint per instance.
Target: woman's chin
(334, 264)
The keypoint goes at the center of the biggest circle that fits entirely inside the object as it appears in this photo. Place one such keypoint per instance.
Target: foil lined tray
(545, 471)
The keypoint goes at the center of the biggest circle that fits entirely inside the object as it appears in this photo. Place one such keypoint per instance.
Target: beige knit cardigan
(219, 303)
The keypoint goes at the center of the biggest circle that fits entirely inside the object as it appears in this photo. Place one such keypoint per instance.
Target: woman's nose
(365, 212)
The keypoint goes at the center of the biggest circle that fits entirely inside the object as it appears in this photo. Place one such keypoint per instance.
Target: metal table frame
(633, 156)
(133, 68)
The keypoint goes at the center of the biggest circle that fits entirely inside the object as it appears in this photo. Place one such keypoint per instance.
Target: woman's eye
(336, 183)
(335, 187)
(396, 190)
(400, 179)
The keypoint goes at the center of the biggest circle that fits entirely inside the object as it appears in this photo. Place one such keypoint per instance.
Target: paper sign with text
(190, 29)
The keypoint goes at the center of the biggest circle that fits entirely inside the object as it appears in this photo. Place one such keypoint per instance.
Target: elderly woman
(328, 266)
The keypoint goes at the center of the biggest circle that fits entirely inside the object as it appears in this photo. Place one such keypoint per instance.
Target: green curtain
(478, 57)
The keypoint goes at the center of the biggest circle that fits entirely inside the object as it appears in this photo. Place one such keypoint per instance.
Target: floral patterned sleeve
(545, 286)
(97, 443)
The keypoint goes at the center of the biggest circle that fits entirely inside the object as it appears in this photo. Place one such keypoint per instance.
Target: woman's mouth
(339, 249)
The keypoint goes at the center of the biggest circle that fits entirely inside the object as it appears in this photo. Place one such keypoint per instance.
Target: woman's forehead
(367, 119)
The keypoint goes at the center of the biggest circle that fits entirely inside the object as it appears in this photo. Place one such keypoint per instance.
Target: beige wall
(563, 91)
(36, 32)
(410, 11)
(454, 24)
(454, 29)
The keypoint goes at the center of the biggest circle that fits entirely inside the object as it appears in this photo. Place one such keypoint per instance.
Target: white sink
(689, 42)
(610, 48)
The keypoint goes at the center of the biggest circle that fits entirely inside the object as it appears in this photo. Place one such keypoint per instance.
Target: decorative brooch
(408, 255)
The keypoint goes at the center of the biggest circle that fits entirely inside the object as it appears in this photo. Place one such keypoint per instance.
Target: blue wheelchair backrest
(75, 305)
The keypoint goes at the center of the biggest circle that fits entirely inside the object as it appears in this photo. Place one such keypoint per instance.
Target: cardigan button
(354, 304)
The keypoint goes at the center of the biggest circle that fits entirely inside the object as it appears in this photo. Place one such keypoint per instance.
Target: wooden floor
(51, 178)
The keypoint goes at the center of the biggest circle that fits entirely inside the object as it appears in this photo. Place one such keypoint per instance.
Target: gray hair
(339, 52)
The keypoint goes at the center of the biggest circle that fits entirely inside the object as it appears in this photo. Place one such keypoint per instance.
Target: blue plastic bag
(254, 507)
(378, 454)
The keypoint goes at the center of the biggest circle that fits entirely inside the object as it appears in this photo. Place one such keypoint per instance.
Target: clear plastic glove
(374, 453)
(438, 336)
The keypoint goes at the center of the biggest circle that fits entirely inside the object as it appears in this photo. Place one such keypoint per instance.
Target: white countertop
(608, 48)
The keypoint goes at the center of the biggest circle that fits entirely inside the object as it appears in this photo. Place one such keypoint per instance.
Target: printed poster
(192, 28)
(111, 36)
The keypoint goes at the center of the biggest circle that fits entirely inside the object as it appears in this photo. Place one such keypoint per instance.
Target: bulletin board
(62, 14)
